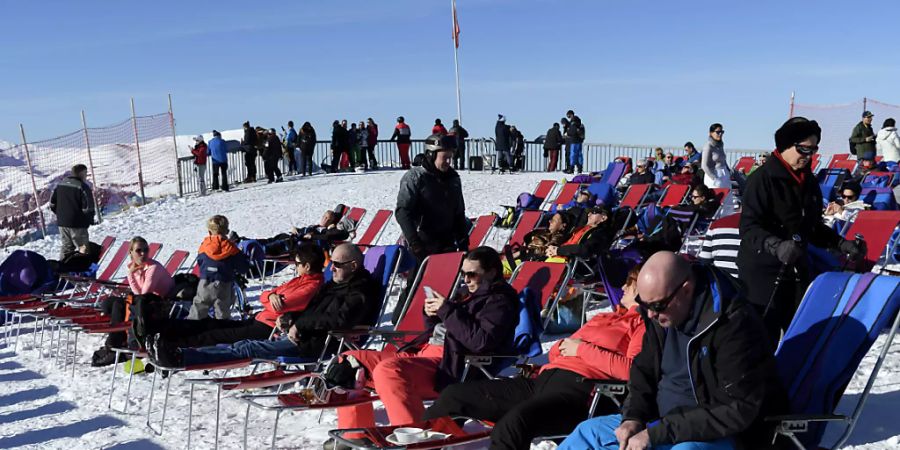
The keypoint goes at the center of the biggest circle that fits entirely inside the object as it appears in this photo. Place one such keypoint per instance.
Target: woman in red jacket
(292, 296)
(557, 400)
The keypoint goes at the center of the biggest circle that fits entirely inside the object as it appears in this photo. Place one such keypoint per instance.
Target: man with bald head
(705, 377)
(350, 299)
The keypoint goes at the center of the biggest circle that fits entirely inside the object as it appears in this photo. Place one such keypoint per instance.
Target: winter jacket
(503, 137)
(731, 369)
(76, 262)
(479, 323)
(694, 157)
(439, 129)
(858, 139)
(575, 132)
(200, 152)
(152, 278)
(73, 203)
(250, 138)
(218, 151)
(340, 138)
(362, 137)
(337, 306)
(431, 210)
(706, 210)
(554, 139)
(461, 135)
(518, 143)
(587, 242)
(273, 148)
(610, 342)
(219, 259)
(325, 234)
(888, 144)
(715, 165)
(290, 141)
(775, 204)
(297, 293)
(372, 135)
(642, 178)
(308, 142)
(401, 133)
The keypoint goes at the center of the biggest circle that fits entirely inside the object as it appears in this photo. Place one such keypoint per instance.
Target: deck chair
(528, 220)
(613, 173)
(726, 202)
(815, 162)
(837, 158)
(674, 195)
(375, 228)
(636, 196)
(744, 164)
(846, 164)
(565, 195)
(881, 198)
(543, 189)
(840, 317)
(830, 180)
(356, 214)
(480, 230)
(878, 179)
(876, 227)
(176, 260)
(547, 279)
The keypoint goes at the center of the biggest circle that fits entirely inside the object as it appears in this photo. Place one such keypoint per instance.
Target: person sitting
(588, 241)
(557, 400)
(146, 278)
(669, 167)
(703, 201)
(350, 299)
(536, 242)
(682, 389)
(220, 262)
(864, 168)
(333, 228)
(82, 260)
(577, 208)
(686, 175)
(293, 296)
(642, 173)
(760, 160)
(847, 207)
(481, 319)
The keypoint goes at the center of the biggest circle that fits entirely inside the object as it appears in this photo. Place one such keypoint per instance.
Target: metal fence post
(37, 200)
(137, 146)
(87, 143)
(174, 144)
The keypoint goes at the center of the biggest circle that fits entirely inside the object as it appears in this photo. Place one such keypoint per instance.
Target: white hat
(198, 138)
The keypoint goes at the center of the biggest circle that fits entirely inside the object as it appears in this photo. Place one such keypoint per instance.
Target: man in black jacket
(73, 203)
(339, 139)
(705, 373)
(248, 145)
(503, 143)
(460, 133)
(552, 145)
(272, 156)
(350, 299)
(783, 200)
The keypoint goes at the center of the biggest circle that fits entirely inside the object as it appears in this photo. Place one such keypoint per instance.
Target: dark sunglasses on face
(142, 250)
(851, 197)
(719, 131)
(806, 149)
(469, 274)
(660, 306)
(341, 264)
(696, 196)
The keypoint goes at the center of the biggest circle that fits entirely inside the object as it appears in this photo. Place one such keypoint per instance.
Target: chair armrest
(609, 388)
(791, 424)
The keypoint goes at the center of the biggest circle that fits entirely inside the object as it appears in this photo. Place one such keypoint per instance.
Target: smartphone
(429, 293)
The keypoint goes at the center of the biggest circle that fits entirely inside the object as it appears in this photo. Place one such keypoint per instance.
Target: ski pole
(778, 280)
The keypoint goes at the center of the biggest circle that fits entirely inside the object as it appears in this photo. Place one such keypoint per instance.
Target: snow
(42, 407)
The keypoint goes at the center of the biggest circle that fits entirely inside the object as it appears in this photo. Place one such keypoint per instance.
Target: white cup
(409, 435)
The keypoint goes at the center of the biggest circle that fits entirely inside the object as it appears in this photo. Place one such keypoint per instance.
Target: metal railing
(596, 158)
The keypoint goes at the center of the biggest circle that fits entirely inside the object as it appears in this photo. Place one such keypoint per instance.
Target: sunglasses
(141, 250)
(806, 149)
(848, 196)
(696, 196)
(341, 264)
(719, 132)
(469, 274)
(662, 305)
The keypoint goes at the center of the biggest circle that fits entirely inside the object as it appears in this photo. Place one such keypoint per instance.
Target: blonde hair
(137, 240)
(217, 225)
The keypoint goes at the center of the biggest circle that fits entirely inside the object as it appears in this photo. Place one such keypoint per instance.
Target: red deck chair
(176, 260)
(674, 195)
(849, 164)
(876, 228)
(480, 230)
(543, 189)
(526, 223)
(837, 157)
(744, 164)
(722, 195)
(356, 214)
(635, 196)
(814, 163)
(105, 245)
(375, 228)
(548, 279)
(566, 194)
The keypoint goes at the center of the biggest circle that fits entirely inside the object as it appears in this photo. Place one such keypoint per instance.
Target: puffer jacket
(73, 203)
(219, 259)
(888, 144)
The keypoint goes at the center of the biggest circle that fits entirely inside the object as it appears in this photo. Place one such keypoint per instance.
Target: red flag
(455, 26)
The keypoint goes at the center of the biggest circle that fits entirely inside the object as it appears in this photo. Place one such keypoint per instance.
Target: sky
(637, 72)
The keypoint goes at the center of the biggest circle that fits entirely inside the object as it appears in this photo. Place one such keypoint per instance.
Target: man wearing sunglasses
(783, 200)
(705, 376)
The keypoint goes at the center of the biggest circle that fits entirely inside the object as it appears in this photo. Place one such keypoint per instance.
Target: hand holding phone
(429, 293)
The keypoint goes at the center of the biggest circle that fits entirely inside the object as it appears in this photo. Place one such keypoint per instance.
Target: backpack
(528, 201)
(852, 147)
(23, 272)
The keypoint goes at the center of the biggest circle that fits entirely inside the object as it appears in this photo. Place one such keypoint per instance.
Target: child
(219, 260)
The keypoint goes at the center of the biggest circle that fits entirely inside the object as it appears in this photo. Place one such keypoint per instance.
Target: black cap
(440, 143)
(867, 114)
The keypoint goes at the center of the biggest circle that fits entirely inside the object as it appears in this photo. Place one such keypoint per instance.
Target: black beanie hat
(795, 130)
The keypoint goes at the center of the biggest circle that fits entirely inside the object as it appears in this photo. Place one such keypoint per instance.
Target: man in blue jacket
(218, 152)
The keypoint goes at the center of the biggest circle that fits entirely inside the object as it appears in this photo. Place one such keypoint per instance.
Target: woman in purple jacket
(479, 320)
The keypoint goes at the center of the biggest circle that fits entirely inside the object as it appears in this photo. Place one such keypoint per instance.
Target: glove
(787, 251)
(418, 250)
(855, 250)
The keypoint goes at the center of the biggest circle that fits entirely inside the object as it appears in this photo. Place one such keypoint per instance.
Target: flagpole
(454, 26)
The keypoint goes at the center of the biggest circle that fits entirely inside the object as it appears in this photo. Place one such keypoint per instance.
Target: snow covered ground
(41, 407)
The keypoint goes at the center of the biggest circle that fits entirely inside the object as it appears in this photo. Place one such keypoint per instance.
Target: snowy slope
(40, 407)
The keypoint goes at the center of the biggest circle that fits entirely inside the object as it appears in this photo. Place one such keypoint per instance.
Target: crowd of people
(662, 337)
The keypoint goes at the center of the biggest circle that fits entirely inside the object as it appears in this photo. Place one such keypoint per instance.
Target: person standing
(783, 200)
(218, 152)
(248, 145)
(715, 167)
(307, 147)
(362, 137)
(575, 138)
(200, 152)
(692, 156)
(502, 144)
(517, 139)
(460, 133)
(73, 203)
(290, 146)
(438, 127)
(337, 145)
(403, 136)
(887, 142)
(565, 130)
(552, 145)
(862, 139)
(372, 129)
(272, 156)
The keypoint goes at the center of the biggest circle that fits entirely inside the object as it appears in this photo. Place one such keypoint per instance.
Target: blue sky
(637, 72)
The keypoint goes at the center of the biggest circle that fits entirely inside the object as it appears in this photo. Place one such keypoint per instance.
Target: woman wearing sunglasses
(716, 173)
(783, 200)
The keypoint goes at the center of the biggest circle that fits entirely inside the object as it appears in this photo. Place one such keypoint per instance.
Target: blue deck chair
(839, 319)
(604, 193)
(613, 173)
(881, 198)
(830, 180)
